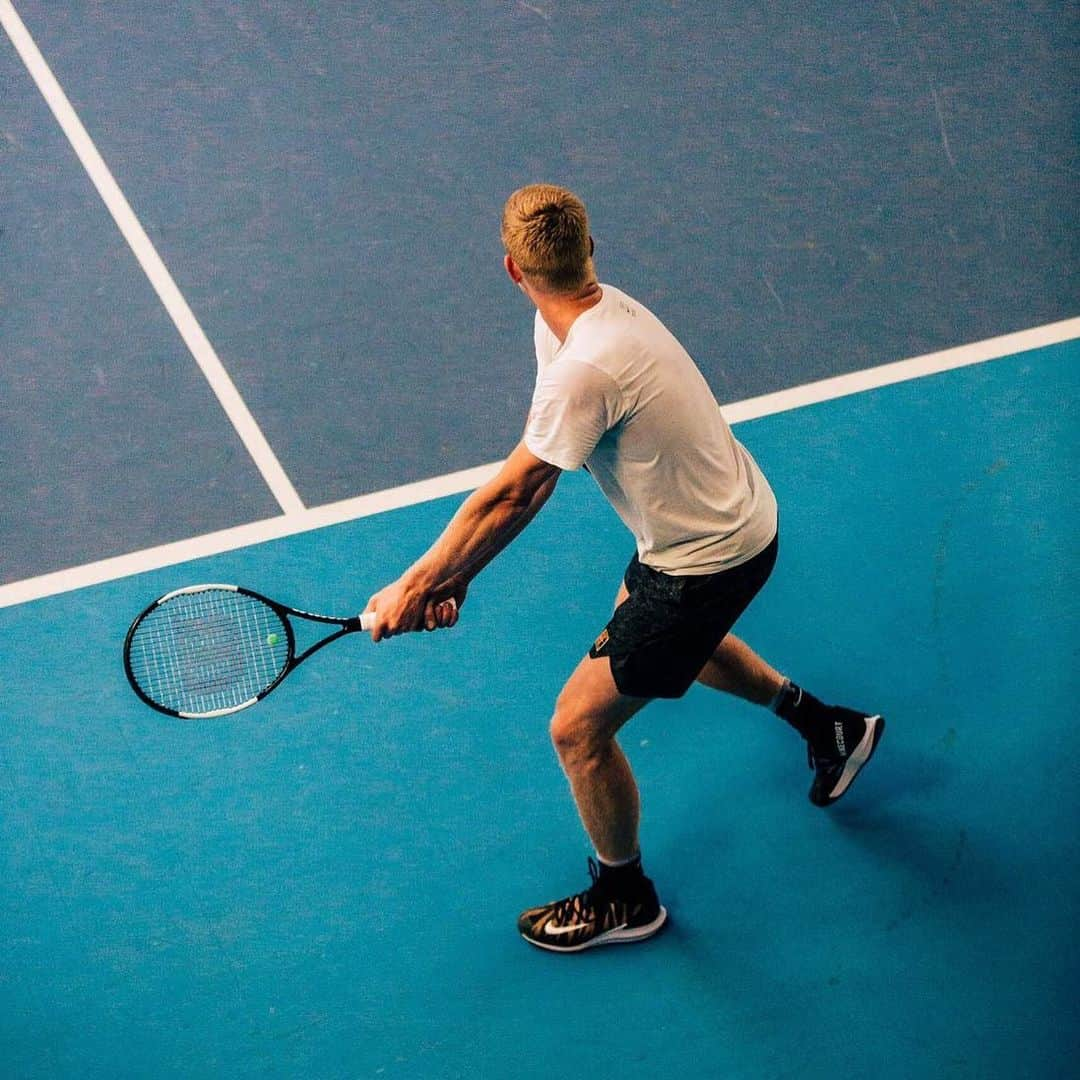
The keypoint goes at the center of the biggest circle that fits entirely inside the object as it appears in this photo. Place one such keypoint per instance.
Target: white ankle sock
(620, 862)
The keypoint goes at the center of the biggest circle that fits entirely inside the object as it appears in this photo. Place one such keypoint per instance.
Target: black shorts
(660, 637)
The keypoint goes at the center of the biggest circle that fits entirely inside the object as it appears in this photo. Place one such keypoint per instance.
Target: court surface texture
(254, 328)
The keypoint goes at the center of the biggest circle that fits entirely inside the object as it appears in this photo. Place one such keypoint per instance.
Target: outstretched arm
(486, 522)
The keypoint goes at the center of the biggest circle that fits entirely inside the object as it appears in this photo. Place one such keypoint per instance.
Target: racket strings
(208, 651)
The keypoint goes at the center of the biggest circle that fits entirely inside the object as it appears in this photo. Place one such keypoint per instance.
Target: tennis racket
(211, 650)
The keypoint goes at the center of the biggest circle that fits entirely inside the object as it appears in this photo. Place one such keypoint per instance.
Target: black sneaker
(594, 917)
(847, 742)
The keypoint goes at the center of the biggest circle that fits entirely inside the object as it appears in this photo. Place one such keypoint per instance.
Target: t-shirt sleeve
(573, 405)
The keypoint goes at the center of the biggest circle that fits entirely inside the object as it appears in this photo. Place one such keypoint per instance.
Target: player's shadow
(900, 816)
(938, 863)
(929, 852)
(897, 774)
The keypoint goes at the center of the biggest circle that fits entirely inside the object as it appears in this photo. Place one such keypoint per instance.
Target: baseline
(455, 483)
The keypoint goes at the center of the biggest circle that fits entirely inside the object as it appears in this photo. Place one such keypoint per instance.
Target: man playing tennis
(616, 393)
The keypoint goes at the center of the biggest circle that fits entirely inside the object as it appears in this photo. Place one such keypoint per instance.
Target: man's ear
(512, 269)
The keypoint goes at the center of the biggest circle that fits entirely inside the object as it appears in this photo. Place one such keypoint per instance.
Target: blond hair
(545, 230)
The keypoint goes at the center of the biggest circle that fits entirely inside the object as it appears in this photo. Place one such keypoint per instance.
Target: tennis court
(861, 220)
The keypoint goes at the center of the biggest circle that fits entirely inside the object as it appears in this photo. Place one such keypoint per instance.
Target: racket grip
(367, 619)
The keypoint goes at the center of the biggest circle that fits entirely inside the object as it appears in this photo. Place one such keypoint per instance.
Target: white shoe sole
(875, 725)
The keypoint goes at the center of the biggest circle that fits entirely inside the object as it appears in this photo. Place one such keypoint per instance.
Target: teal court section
(326, 886)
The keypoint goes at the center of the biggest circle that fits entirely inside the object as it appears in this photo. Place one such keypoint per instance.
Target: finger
(384, 628)
(372, 608)
(432, 617)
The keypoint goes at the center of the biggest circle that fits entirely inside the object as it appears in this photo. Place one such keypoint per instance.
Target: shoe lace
(584, 906)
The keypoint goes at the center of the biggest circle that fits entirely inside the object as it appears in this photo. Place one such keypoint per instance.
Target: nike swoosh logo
(555, 931)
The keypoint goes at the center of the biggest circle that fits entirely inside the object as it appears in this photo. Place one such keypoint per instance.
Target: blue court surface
(327, 885)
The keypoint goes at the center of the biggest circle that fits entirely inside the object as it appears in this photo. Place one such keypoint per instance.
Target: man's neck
(559, 311)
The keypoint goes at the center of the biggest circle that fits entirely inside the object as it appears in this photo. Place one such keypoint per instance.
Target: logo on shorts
(601, 641)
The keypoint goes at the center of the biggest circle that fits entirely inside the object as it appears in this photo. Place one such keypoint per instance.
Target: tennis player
(617, 394)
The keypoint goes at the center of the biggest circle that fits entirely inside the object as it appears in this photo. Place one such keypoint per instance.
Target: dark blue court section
(326, 886)
(110, 439)
(800, 189)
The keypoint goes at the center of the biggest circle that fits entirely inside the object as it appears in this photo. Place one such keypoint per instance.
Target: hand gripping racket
(210, 650)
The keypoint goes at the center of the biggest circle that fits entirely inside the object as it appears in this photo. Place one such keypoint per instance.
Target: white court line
(455, 483)
(197, 342)
(916, 367)
(256, 532)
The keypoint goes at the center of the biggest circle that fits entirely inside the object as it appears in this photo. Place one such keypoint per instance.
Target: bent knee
(576, 736)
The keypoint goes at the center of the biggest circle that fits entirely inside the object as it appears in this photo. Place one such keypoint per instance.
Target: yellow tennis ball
(271, 639)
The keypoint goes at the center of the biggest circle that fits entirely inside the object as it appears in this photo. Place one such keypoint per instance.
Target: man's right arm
(486, 522)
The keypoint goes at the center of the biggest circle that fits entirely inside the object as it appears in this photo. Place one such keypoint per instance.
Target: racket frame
(347, 626)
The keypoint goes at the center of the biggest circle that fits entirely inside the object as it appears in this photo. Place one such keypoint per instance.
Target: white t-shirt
(623, 397)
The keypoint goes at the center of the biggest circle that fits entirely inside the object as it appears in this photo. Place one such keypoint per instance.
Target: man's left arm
(485, 523)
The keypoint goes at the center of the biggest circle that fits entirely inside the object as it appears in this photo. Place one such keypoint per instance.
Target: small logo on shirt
(601, 641)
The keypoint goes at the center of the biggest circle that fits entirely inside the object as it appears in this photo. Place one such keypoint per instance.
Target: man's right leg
(621, 905)
(840, 741)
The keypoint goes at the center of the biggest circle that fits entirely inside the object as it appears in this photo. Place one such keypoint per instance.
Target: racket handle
(367, 619)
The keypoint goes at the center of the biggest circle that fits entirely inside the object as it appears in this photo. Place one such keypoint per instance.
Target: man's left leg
(840, 741)
(621, 904)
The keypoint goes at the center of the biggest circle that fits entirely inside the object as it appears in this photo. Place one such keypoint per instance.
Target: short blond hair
(545, 230)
